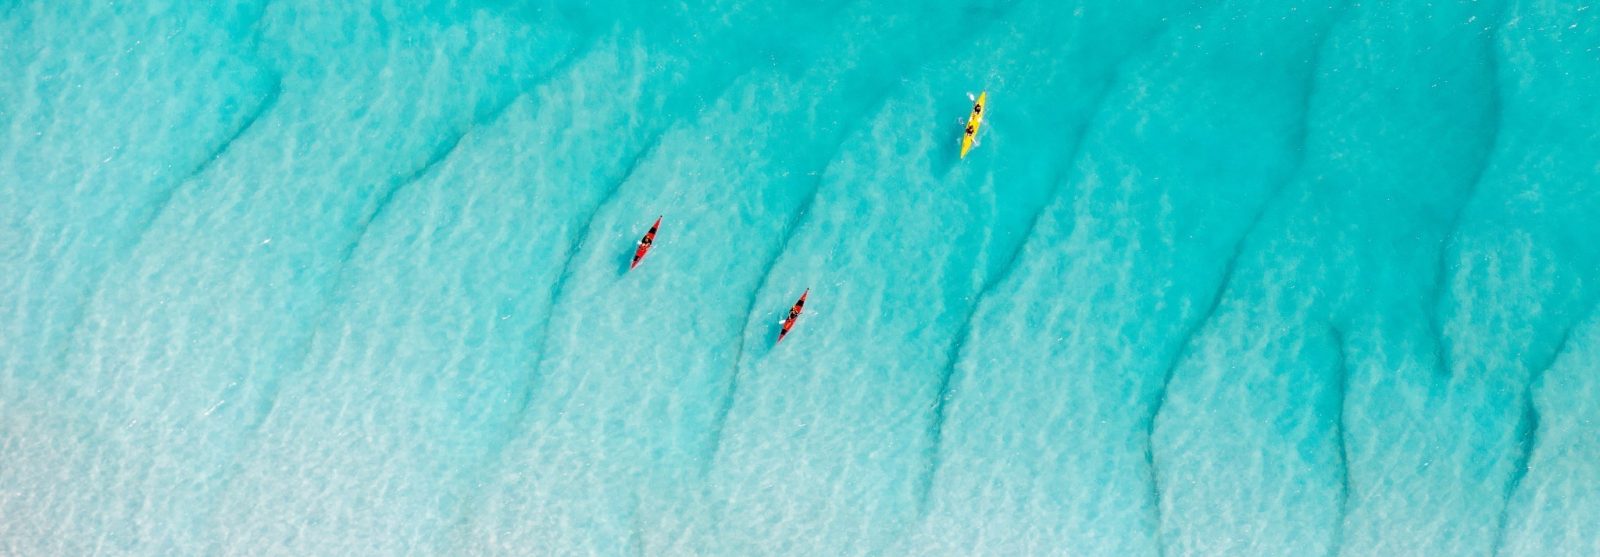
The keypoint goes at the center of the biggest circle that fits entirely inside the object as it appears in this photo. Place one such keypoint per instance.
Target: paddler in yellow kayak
(974, 122)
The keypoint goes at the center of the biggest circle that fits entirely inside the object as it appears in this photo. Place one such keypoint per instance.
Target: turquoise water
(1224, 278)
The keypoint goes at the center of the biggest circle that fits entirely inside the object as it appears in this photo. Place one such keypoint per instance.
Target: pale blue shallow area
(1225, 277)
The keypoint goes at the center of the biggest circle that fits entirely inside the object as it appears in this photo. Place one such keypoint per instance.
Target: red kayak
(794, 314)
(648, 240)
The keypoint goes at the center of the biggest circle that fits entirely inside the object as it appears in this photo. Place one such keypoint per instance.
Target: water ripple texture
(1222, 277)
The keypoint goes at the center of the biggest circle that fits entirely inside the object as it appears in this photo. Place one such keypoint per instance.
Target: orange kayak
(794, 314)
(648, 240)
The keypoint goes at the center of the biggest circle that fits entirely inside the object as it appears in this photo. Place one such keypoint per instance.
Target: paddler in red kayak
(645, 243)
(794, 314)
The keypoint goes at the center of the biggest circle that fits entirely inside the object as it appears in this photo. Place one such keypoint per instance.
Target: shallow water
(1223, 278)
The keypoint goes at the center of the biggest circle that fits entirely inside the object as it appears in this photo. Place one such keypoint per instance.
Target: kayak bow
(794, 314)
(648, 240)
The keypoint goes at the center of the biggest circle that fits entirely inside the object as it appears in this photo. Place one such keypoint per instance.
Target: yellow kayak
(974, 122)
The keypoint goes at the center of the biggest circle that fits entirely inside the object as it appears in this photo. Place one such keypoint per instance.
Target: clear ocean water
(1224, 277)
